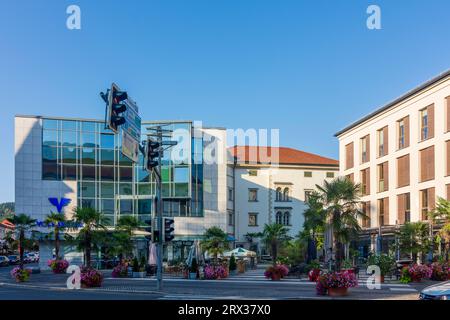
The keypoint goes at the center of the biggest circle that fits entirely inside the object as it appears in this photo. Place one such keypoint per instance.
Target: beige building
(400, 154)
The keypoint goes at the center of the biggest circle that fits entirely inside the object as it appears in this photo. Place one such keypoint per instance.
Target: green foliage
(347, 264)
(292, 252)
(385, 262)
(314, 264)
(194, 266)
(22, 223)
(274, 235)
(340, 199)
(7, 208)
(405, 277)
(215, 242)
(232, 265)
(142, 264)
(414, 238)
(135, 265)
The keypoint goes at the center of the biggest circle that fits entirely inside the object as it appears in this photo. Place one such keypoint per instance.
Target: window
(365, 149)
(407, 207)
(286, 194)
(252, 195)
(252, 219)
(308, 174)
(383, 211)
(383, 177)
(424, 124)
(426, 158)
(330, 174)
(349, 156)
(403, 171)
(230, 219)
(424, 203)
(308, 194)
(401, 134)
(382, 141)
(278, 195)
(366, 211)
(253, 173)
(365, 181)
(287, 219)
(279, 218)
(230, 194)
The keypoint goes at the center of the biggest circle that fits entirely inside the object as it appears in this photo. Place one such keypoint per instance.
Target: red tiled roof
(7, 224)
(246, 154)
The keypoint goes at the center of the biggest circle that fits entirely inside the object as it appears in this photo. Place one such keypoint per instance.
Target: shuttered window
(403, 133)
(365, 149)
(383, 176)
(383, 212)
(447, 160)
(427, 123)
(366, 212)
(447, 100)
(383, 146)
(349, 156)
(427, 202)
(404, 208)
(365, 181)
(403, 171)
(427, 164)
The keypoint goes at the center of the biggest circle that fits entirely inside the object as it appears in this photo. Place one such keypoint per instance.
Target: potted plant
(241, 266)
(210, 273)
(138, 270)
(336, 284)
(193, 269)
(418, 272)
(440, 271)
(314, 270)
(276, 272)
(21, 275)
(58, 265)
(385, 262)
(232, 265)
(347, 265)
(221, 272)
(120, 271)
(91, 277)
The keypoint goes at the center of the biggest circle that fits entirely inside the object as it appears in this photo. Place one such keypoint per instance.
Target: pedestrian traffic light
(115, 107)
(169, 229)
(151, 155)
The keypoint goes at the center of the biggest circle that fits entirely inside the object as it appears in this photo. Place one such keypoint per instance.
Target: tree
(214, 242)
(440, 214)
(6, 209)
(444, 233)
(89, 234)
(273, 236)
(56, 220)
(314, 225)
(22, 223)
(413, 239)
(121, 239)
(341, 203)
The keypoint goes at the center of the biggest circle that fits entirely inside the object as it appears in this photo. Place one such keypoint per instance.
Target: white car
(4, 261)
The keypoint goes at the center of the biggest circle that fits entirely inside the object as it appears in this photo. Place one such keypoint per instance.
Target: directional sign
(131, 131)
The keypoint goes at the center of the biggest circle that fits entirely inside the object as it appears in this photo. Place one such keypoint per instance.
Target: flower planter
(192, 275)
(337, 292)
(276, 277)
(233, 272)
(382, 279)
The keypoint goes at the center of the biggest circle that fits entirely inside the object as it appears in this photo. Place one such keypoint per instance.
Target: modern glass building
(81, 160)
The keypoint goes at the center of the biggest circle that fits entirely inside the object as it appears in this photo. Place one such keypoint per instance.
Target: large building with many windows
(270, 185)
(81, 161)
(400, 154)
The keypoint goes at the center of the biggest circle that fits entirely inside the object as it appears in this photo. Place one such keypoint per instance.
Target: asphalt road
(250, 285)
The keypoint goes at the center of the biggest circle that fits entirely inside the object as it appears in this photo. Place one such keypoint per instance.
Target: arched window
(278, 194)
(279, 218)
(286, 194)
(287, 219)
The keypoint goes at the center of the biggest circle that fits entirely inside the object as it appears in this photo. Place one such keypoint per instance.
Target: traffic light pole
(159, 217)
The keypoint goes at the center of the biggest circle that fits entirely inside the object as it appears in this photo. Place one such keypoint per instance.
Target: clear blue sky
(308, 68)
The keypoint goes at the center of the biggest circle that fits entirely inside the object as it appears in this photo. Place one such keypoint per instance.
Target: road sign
(131, 131)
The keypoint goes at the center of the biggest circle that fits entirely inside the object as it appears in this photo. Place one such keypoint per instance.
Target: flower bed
(313, 275)
(276, 272)
(120, 271)
(91, 277)
(20, 275)
(215, 272)
(335, 280)
(440, 271)
(416, 273)
(58, 266)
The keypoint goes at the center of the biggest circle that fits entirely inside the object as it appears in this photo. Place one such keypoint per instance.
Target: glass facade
(86, 152)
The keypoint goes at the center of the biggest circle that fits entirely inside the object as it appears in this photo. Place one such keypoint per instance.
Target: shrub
(277, 271)
(232, 265)
(440, 271)
(335, 280)
(385, 262)
(313, 275)
(58, 265)
(120, 271)
(142, 264)
(20, 275)
(212, 272)
(416, 273)
(221, 272)
(135, 265)
(91, 277)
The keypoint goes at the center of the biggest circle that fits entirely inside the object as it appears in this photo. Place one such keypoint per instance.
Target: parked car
(32, 257)
(4, 261)
(440, 291)
(14, 259)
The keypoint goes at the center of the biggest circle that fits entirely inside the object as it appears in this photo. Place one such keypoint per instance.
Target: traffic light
(151, 155)
(115, 107)
(169, 229)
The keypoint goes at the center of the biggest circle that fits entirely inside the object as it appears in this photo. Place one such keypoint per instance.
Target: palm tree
(314, 225)
(214, 242)
(441, 214)
(122, 237)
(273, 236)
(91, 220)
(414, 239)
(22, 223)
(56, 220)
(341, 201)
